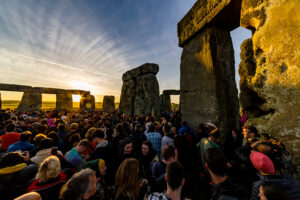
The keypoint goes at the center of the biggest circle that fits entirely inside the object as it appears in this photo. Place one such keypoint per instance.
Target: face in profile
(246, 132)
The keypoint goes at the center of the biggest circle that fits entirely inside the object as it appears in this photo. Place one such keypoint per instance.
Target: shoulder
(157, 196)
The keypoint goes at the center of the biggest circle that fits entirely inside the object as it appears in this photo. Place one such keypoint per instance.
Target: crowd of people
(113, 156)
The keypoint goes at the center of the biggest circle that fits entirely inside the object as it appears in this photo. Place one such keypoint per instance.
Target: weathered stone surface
(24, 88)
(127, 97)
(108, 103)
(140, 91)
(207, 82)
(274, 82)
(87, 102)
(147, 68)
(64, 102)
(30, 102)
(224, 14)
(0, 102)
(146, 99)
(165, 102)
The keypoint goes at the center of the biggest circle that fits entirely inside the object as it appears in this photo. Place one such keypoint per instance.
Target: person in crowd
(231, 144)
(207, 143)
(138, 138)
(268, 191)
(202, 132)
(158, 169)
(223, 185)
(104, 151)
(49, 179)
(147, 158)
(155, 139)
(74, 156)
(167, 139)
(15, 173)
(128, 185)
(81, 186)
(29, 196)
(57, 142)
(126, 150)
(184, 129)
(103, 192)
(45, 149)
(23, 144)
(61, 131)
(175, 181)
(266, 169)
(10, 137)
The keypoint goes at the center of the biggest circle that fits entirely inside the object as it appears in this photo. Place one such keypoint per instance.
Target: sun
(81, 86)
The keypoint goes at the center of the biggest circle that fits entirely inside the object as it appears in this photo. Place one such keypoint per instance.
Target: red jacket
(9, 139)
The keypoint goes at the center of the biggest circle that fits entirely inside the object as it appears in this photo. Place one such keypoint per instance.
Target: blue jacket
(20, 146)
(184, 129)
(290, 185)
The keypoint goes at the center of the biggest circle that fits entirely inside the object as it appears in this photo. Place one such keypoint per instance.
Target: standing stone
(64, 101)
(207, 81)
(108, 103)
(140, 91)
(87, 102)
(147, 95)
(31, 101)
(127, 97)
(274, 79)
(165, 103)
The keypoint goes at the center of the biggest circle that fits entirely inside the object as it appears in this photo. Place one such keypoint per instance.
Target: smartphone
(54, 151)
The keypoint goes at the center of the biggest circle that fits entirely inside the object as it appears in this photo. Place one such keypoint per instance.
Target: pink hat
(262, 163)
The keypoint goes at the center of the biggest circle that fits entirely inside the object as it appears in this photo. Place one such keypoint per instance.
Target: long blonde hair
(49, 169)
(127, 179)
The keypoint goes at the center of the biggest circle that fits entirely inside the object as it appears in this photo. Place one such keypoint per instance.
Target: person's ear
(86, 196)
(206, 166)
(183, 182)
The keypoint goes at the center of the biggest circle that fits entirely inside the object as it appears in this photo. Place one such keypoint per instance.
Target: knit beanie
(262, 163)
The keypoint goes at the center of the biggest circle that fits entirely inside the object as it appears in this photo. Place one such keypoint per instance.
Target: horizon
(89, 45)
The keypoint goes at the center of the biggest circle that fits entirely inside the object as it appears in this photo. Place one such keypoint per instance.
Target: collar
(102, 144)
(213, 143)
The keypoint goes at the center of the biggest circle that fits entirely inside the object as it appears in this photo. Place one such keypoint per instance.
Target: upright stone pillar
(31, 101)
(140, 91)
(87, 102)
(207, 80)
(270, 69)
(108, 104)
(64, 101)
(165, 102)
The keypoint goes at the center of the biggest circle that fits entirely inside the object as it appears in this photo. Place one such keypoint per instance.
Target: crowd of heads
(98, 155)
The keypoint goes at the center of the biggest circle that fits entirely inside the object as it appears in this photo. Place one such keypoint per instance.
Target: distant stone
(109, 103)
(30, 102)
(147, 68)
(140, 91)
(87, 102)
(165, 103)
(64, 101)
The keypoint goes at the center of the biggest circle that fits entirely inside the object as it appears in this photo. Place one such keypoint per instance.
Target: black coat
(14, 184)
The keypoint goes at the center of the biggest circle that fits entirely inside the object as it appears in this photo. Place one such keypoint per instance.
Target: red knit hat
(262, 163)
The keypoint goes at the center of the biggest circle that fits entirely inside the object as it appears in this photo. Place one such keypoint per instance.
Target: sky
(89, 44)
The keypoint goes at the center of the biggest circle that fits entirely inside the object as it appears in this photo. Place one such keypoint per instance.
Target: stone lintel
(224, 14)
(147, 68)
(171, 92)
(24, 88)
